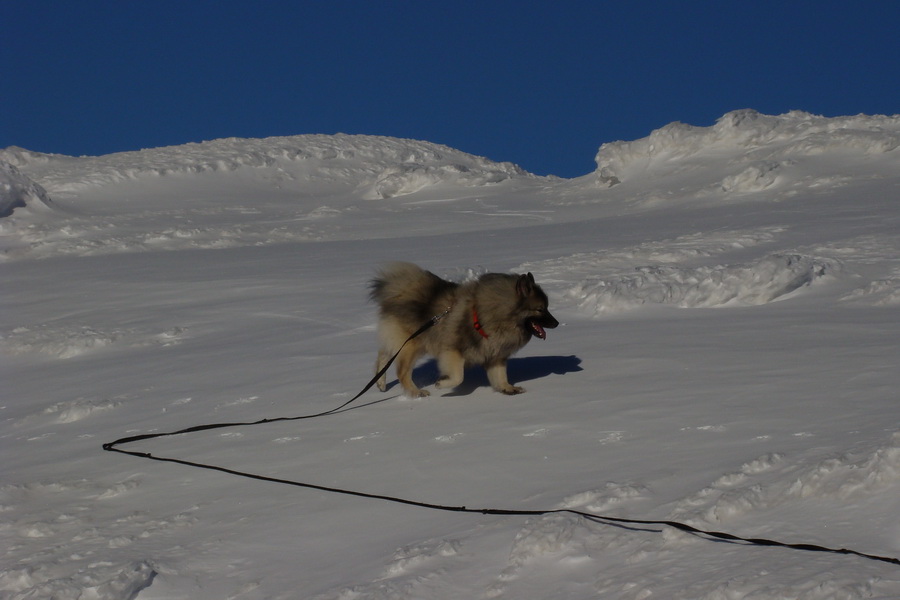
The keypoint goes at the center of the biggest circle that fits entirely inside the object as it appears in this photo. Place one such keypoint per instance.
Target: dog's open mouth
(536, 326)
(537, 330)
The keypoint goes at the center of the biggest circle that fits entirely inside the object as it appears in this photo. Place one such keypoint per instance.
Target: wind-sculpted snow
(880, 292)
(351, 160)
(148, 200)
(109, 580)
(754, 178)
(747, 135)
(409, 178)
(767, 484)
(74, 340)
(682, 249)
(18, 191)
(760, 282)
(667, 272)
(64, 568)
(236, 192)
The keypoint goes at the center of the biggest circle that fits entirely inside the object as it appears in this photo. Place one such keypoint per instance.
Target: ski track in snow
(84, 532)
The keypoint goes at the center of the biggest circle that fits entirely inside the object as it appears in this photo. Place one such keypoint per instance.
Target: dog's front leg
(452, 367)
(496, 372)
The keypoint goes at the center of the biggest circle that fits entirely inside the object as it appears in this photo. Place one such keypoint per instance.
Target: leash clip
(437, 318)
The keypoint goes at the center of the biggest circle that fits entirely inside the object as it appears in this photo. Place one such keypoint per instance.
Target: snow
(727, 358)
(18, 191)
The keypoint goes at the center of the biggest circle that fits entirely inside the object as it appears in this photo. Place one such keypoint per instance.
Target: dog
(484, 322)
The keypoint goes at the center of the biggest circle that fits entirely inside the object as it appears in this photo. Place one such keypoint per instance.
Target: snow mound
(754, 178)
(400, 180)
(881, 292)
(751, 134)
(612, 495)
(102, 580)
(389, 165)
(759, 282)
(539, 536)
(18, 191)
(842, 477)
(20, 157)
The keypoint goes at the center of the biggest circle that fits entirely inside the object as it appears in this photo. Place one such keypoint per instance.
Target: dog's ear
(525, 284)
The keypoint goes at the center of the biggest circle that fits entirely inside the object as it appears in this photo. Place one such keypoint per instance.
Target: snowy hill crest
(388, 166)
(749, 136)
(238, 192)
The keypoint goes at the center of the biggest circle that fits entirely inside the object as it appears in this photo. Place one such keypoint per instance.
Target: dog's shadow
(518, 370)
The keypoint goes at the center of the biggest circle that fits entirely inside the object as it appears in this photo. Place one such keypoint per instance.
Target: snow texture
(727, 358)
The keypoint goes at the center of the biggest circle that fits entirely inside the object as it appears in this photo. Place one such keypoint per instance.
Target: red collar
(477, 324)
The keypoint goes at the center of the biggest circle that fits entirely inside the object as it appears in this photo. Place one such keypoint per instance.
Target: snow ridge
(753, 136)
(392, 166)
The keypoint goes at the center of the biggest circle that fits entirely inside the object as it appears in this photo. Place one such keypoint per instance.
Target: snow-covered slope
(347, 160)
(225, 193)
(757, 146)
(18, 191)
(728, 358)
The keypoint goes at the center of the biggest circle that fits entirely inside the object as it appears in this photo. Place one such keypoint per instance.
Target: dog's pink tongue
(539, 331)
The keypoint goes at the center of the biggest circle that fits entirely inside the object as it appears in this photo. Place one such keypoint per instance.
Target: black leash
(113, 447)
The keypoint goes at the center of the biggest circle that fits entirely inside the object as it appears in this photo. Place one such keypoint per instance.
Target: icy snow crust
(727, 357)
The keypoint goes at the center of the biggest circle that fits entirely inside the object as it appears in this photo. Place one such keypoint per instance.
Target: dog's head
(534, 305)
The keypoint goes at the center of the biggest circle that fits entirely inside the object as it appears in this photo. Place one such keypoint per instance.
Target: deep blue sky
(541, 84)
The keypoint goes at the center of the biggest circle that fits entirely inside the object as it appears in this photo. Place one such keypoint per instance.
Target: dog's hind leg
(383, 357)
(452, 367)
(391, 337)
(406, 360)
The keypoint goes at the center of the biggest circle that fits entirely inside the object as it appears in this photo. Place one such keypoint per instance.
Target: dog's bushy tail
(407, 292)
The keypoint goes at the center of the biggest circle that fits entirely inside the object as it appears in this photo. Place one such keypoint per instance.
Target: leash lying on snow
(113, 447)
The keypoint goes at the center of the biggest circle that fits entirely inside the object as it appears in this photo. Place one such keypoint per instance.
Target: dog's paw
(512, 390)
(445, 383)
(417, 393)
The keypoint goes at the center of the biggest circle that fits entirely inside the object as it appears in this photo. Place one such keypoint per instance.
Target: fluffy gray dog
(487, 320)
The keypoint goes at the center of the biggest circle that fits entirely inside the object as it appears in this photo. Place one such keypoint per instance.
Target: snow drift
(765, 280)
